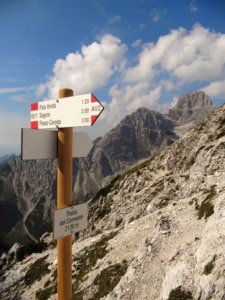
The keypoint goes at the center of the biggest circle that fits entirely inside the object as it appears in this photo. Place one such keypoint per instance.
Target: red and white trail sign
(82, 110)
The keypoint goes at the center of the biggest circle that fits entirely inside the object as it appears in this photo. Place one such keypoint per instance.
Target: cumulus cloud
(176, 60)
(88, 69)
(188, 56)
(126, 100)
(215, 89)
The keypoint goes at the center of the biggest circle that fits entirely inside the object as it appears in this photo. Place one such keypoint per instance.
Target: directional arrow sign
(72, 111)
(42, 144)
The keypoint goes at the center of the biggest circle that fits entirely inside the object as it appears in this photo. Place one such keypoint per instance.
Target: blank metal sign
(42, 144)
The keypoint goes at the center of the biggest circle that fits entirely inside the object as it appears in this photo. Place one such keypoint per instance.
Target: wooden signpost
(66, 112)
(64, 199)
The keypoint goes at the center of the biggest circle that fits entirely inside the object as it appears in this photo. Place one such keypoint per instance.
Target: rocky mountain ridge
(28, 188)
(191, 107)
(6, 158)
(155, 232)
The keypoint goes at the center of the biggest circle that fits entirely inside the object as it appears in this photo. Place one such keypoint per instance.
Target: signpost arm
(64, 199)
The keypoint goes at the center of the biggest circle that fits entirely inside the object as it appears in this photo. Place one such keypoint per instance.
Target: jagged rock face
(170, 215)
(156, 232)
(138, 136)
(191, 107)
(33, 183)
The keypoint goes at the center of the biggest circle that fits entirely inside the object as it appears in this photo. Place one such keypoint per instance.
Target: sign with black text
(70, 220)
(82, 110)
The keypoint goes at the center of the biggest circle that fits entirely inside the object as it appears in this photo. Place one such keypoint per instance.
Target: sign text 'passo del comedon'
(70, 220)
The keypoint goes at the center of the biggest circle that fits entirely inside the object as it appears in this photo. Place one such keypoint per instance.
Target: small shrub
(220, 134)
(138, 173)
(114, 183)
(5, 169)
(46, 293)
(107, 189)
(222, 122)
(38, 269)
(206, 208)
(209, 267)
(88, 258)
(179, 294)
(104, 211)
(108, 279)
(28, 249)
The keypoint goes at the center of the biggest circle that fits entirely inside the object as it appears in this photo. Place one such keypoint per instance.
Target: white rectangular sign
(72, 111)
(42, 144)
(70, 220)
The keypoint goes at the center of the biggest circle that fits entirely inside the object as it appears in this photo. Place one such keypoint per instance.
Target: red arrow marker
(99, 108)
(73, 111)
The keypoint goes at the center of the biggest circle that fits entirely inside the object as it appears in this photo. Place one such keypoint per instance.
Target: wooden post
(64, 199)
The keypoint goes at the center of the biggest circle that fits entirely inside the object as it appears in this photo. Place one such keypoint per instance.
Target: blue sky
(128, 53)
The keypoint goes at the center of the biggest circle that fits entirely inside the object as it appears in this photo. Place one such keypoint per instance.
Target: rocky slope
(155, 232)
(28, 188)
(137, 136)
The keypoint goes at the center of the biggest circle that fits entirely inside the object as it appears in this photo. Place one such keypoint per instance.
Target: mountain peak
(191, 107)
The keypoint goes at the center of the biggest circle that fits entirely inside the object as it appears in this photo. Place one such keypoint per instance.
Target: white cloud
(136, 43)
(155, 16)
(215, 89)
(193, 7)
(145, 69)
(88, 69)
(19, 98)
(115, 19)
(175, 61)
(200, 56)
(166, 67)
(18, 89)
(167, 85)
(129, 98)
(174, 102)
(187, 56)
